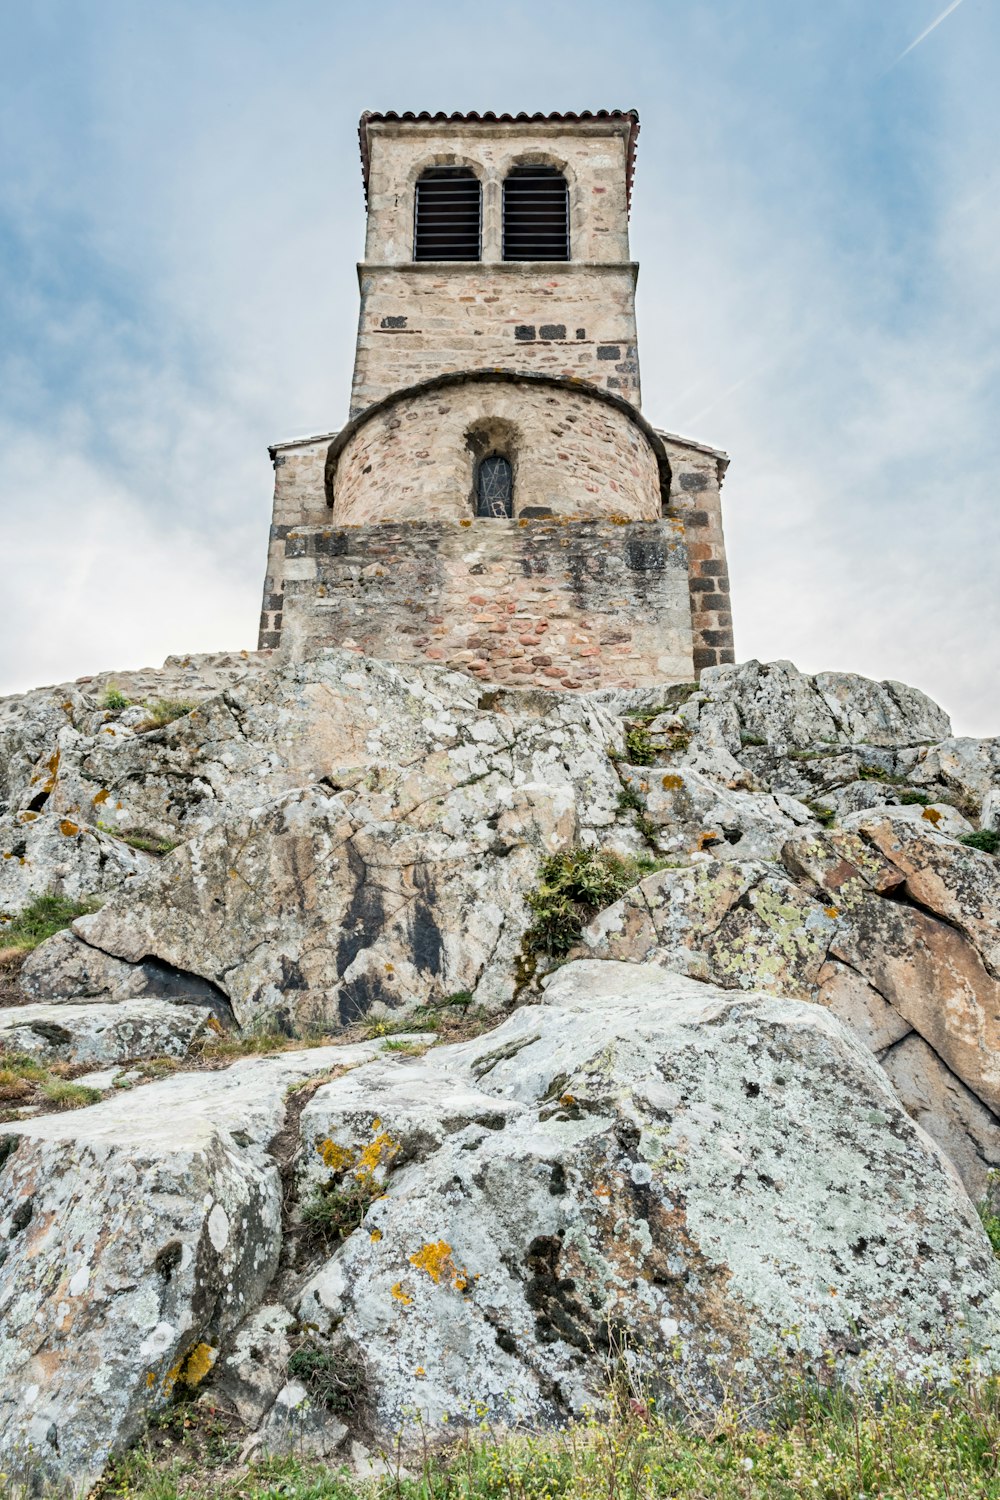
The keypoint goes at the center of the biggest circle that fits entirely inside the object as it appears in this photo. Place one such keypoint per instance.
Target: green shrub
(639, 749)
(40, 919)
(986, 839)
(114, 699)
(337, 1380)
(141, 838)
(629, 800)
(991, 1223)
(571, 888)
(910, 798)
(164, 711)
(825, 815)
(336, 1208)
(876, 773)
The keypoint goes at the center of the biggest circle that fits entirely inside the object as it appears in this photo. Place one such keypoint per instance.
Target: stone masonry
(611, 568)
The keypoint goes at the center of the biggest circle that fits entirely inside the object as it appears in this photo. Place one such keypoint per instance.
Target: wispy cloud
(927, 31)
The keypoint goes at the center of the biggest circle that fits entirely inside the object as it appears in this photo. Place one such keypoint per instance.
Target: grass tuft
(163, 711)
(42, 918)
(572, 887)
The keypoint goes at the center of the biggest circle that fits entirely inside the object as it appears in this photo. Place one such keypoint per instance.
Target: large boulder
(647, 1163)
(134, 1235)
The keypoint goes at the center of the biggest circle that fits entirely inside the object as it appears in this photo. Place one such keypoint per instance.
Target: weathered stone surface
(932, 977)
(967, 1132)
(961, 885)
(697, 1169)
(777, 939)
(856, 1002)
(137, 1233)
(841, 863)
(694, 813)
(66, 970)
(966, 771)
(60, 855)
(779, 704)
(101, 1034)
(668, 918)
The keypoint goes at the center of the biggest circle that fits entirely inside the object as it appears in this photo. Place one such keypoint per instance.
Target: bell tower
(496, 500)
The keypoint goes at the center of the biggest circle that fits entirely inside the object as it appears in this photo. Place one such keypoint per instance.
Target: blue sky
(817, 217)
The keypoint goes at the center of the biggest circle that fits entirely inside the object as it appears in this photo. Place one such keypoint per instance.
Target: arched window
(495, 487)
(447, 215)
(535, 214)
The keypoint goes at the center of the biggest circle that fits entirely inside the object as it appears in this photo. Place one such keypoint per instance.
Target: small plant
(65, 1095)
(571, 888)
(639, 748)
(42, 918)
(878, 773)
(336, 1381)
(910, 798)
(409, 1048)
(336, 1208)
(629, 800)
(164, 711)
(647, 828)
(991, 1223)
(986, 839)
(114, 699)
(150, 843)
(825, 815)
(751, 739)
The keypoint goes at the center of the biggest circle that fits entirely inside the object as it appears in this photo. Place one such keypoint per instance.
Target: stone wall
(695, 500)
(539, 602)
(573, 318)
(572, 454)
(419, 320)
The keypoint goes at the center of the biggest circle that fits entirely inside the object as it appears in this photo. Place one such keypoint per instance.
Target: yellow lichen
(400, 1295)
(932, 815)
(337, 1158)
(672, 782)
(420, 1372)
(100, 797)
(434, 1258)
(375, 1236)
(197, 1365)
(383, 1147)
(68, 828)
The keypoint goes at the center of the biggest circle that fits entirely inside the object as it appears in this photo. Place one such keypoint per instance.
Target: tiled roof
(488, 117)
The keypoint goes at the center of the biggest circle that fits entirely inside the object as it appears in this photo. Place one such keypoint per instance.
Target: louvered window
(535, 215)
(495, 487)
(447, 215)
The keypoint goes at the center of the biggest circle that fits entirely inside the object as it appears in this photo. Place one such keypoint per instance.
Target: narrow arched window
(535, 214)
(447, 215)
(495, 487)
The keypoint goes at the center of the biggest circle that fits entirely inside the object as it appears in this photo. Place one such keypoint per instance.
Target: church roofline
(473, 117)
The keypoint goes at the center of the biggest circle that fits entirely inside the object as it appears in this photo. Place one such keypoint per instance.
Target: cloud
(927, 30)
(180, 217)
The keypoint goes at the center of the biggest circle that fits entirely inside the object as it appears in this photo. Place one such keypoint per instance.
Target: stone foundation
(538, 603)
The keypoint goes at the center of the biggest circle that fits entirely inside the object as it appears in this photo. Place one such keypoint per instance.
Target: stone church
(496, 500)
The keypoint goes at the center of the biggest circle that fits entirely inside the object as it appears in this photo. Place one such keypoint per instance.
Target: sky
(817, 218)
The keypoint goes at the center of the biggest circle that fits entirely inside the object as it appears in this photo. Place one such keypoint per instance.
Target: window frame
(442, 172)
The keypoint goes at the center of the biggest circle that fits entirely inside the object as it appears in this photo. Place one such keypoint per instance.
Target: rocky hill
(439, 1045)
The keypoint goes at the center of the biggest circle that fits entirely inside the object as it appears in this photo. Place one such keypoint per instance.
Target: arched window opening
(535, 214)
(447, 215)
(495, 487)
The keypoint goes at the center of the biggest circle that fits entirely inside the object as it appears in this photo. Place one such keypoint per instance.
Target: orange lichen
(832, 911)
(601, 1190)
(672, 782)
(100, 797)
(434, 1258)
(932, 815)
(400, 1295)
(68, 828)
(420, 1372)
